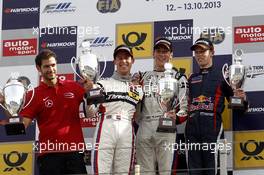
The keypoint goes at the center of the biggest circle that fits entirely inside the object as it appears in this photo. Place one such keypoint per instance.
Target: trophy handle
(185, 85)
(73, 60)
(101, 74)
(224, 68)
(30, 86)
(1, 93)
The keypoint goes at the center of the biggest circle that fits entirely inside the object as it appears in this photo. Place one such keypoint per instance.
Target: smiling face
(203, 56)
(123, 61)
(161, 56)
(48, 69)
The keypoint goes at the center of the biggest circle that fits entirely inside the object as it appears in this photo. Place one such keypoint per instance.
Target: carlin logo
(246, 148)
(19, 47)
(58, 45)
(14, 160)
(254, 71)
(108, 6)
(59, 8)
(140, 38)
(216, 35)
(247, 34)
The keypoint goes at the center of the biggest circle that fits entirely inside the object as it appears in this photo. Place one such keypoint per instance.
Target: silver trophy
(14, 93)
(234, 76)
(168, 88)
(89, 67)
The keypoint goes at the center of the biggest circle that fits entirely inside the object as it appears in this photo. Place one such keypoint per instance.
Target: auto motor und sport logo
(247, 34)
(20, 47)
(45, 45)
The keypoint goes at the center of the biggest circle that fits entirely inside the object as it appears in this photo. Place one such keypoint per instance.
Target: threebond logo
(45, 45)
(20, 47)
(249, 149)
(248, 34)
(108, 6)
(16, 158)
(21, 10)
(63, 7)
(136, 36)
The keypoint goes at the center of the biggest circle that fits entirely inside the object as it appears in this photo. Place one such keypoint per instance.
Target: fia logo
(250, 153)
(9, 161)
(134, 40)
(108, 6)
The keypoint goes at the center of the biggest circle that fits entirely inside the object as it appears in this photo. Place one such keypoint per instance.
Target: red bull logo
(201, 99)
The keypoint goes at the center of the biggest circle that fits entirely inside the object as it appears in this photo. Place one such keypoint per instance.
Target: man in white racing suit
(151, 147)
(114, 135)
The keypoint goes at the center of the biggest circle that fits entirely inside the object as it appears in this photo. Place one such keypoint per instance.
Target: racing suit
(114, 135)
(207, 90)
(151, 145)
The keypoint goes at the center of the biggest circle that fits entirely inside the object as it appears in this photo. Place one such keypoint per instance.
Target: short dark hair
(26, 79)
(44, 55)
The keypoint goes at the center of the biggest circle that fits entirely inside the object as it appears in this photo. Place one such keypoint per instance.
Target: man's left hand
(240, 93)
(87, 84)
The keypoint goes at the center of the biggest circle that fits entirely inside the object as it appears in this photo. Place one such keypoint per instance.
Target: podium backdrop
(32, 25)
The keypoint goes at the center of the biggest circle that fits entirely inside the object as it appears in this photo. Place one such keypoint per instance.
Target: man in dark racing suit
(204, 128)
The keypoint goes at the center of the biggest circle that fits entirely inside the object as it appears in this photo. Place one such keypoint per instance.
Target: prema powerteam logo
(20, 47)
(248, 34)
(62, 7)
(101, 42)
(21, 10)
(54, 45)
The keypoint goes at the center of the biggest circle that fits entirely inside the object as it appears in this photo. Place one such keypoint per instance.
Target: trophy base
(236, 103)
(166, 125)
(95, 96)
(15, 129)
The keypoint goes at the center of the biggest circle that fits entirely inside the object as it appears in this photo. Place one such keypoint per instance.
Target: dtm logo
(134, 40)
(101, 42)
(19, 158)
(252, 149)
(59, 8)
(216, 35)
(20, 47)
(108, 6)
(58, 45)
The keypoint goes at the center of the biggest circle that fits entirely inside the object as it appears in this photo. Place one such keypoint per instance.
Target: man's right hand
(1, 98)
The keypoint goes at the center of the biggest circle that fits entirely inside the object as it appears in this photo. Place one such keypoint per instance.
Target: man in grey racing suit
(150, 144)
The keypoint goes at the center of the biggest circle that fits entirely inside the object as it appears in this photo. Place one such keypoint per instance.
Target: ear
(212, 52)
(38, 68)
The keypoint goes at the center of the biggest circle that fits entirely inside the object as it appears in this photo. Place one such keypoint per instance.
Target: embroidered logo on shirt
(69, 95)
(49, 103)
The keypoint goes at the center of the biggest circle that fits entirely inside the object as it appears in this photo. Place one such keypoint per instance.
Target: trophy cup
(234, 76)
(14, 101)
(89, 68)
(168, 87)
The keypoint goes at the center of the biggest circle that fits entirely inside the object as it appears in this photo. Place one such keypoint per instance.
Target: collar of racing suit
(119, 77)
(206, 70)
